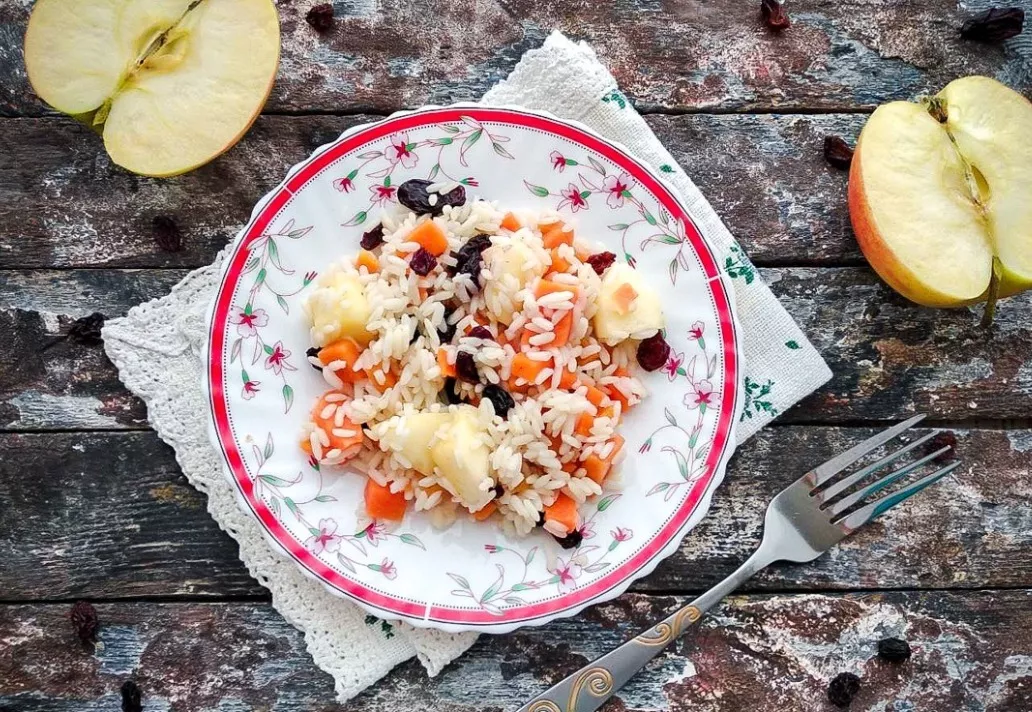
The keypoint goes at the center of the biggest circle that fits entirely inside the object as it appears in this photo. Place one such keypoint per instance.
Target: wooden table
(93, 505)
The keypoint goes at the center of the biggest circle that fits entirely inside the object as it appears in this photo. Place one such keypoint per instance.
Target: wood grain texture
(890, 358)
(113, 518)
(665, 55)
(765, 175)
(754, 653)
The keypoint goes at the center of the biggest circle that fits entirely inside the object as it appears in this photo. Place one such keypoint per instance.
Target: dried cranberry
(84, 620)
(320, 17)
(451, 392)
(415, 195)
(837, 152)
(994, 25)
(774, 15)
(653, 352)
(480, 332)
(466, 367)
(571, 540)
(500, 399)
(601, 261)
(944, 438)
(86, 330)
(372, 239)
(131, 697)
(422, 262)
(893, 650)
(167, 234)
(843, 689)
(313, 353)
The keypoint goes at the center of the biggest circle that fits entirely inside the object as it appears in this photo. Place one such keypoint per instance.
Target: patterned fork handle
(588, 688)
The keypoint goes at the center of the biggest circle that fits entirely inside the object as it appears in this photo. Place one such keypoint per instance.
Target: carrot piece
(549, 226)
(598, 468)
(306, 446)
(381, 503)
(562, 331)
(567, 380)
(584, 423)
(390, 379)
(557, 236)
(423, 293)
(486, 511)
(349, 445)
(368, 260)
(615, 394)
(559, 263)
(526, 368)
(624, 297)
(448, 369)
(621, 372)
(430, 237)
(563, 511)
(595, 396)
(582, 252)
(547, 286)
(345, 350)
(511, 223)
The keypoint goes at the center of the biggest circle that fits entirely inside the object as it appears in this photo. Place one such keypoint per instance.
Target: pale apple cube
(617, 320)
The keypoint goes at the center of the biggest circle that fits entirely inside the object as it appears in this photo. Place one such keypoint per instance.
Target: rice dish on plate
(479, 362)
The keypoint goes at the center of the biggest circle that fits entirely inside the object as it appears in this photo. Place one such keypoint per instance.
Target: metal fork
(806, 519)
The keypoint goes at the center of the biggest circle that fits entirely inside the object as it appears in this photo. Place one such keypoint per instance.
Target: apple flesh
(940, 194)
(172, 83)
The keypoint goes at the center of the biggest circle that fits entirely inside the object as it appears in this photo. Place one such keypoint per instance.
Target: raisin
(469, 258)
(774, 15)
(320, 17)
(541, 520)
(372, 239)
(843, 688)
(480, 332)
(601, 261)
(131, 697)
(500, 399)
(653, 352)
(84, 620)
(466, 367)
(448, 332)
(422, 262)
(313, 353)
(994, 25)
(498, 491)
(571, 540)
(893, 650)
(167, 234)
(415, 196)
(451, 392)
(837, 152)
(944, 438)
(86, 330)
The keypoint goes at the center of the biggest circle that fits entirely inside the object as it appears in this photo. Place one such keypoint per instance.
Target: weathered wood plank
(63, 204)
(108, 515)
(756, 653)
(665, 55)
(890, 358)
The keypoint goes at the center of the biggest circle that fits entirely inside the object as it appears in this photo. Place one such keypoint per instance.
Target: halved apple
(173, 83)
(940, 194)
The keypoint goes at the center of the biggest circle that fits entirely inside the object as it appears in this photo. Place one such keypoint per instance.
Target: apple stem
(993, 294)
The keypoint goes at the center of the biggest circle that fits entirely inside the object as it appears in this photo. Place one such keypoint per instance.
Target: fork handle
(588, 688)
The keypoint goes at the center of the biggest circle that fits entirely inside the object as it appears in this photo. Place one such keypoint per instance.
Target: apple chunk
(938, 191)
(174, 82)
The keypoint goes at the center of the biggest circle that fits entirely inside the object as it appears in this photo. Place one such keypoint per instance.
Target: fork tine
(879, 507)
(822, 473)
(846, 482)
(884, 482)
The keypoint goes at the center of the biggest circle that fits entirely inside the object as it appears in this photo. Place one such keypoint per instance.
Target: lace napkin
(157, 349)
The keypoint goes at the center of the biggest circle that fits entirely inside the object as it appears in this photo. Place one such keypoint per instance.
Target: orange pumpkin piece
(430, 237)
(368, 260)
(511, 223)
(599, 468)
(346, 351)
(563, 511)
(381, 503)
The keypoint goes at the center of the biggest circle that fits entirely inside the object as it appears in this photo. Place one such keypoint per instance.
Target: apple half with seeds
(170, 84)
(940, 194)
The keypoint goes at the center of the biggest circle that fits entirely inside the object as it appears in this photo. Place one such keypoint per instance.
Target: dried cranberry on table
(422, 262)
(167, 234)
(415, 195)
(893, 650)
(131, 697)
(86, 330)
(774, 15)
(653, 352)
(466, 367)
(84, 620)
(837, 152)
(372, 239)
(843, 688)
(994, 25)
(320, 17)
(480, 332)
(500, 399)
(601, 261)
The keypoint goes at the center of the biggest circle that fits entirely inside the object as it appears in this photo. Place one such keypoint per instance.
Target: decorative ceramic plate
(470, 576)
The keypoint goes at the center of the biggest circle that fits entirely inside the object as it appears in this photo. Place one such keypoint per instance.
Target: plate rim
(697, 514)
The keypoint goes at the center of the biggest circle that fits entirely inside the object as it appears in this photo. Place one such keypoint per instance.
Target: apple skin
(878, 253)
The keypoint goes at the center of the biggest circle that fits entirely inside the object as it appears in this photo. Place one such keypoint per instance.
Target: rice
(416, 328)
